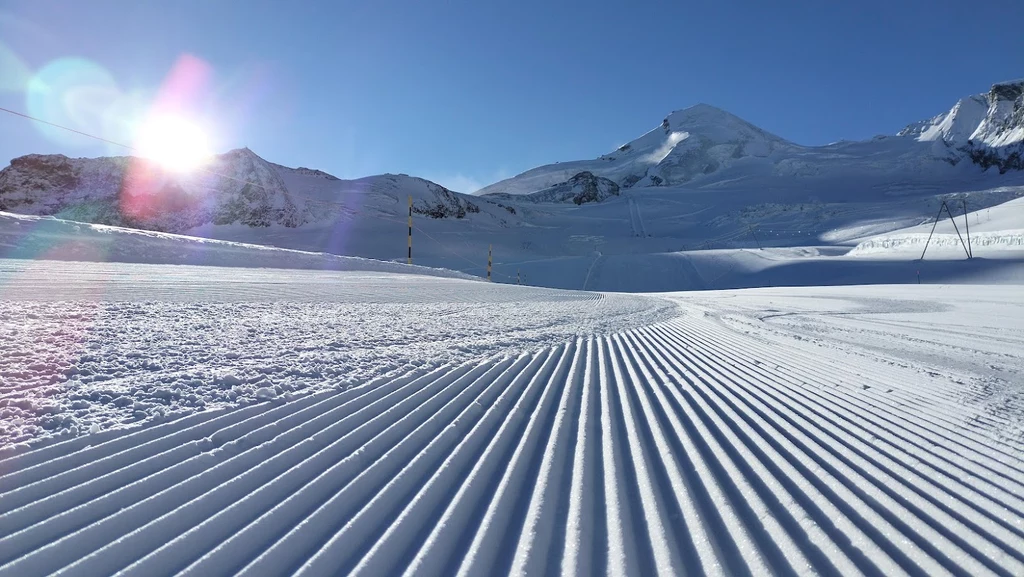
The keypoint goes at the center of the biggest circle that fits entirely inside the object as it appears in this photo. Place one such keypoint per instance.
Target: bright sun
(175, 142)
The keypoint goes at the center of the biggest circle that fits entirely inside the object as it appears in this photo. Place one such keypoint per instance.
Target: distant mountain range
(703, 144)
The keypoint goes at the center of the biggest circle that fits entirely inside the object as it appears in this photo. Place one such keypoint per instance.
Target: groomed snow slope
(759, 432)
(101, 346)
(48, 238)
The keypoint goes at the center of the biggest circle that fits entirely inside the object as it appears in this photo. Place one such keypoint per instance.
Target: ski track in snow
(636, 221)
(712, 443)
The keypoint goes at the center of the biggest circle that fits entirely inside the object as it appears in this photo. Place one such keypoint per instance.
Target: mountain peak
(1009, 90)
(716, 124)
(988, 120)
(700, 114)
(690, 143)
(700, 109)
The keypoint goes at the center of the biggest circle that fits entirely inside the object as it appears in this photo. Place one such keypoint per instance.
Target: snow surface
(996, 232)
(48, 238)
(846, 430)
(116, 345)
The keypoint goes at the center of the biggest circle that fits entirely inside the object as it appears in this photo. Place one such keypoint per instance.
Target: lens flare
(172, 138)
(171, 134)
(73, 92)
(14, 73)
(176, 143)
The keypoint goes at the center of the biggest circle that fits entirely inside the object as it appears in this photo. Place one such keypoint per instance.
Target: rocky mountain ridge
(582, 188)
(235, 188)
(987, 128)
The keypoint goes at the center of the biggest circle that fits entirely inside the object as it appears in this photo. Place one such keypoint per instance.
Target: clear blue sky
(466, 91)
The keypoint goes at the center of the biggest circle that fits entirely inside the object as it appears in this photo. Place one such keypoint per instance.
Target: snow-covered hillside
(582, 188)
(994, 233)
(48, 238)
(689, 143)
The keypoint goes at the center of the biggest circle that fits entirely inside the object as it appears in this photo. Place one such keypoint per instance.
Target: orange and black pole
(409, 261)
(489, 263)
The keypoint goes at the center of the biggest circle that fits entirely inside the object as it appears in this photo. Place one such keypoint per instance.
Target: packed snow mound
(988, 128)
(580, 189)
(236, 188)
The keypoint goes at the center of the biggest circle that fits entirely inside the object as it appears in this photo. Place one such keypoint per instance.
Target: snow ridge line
(679, 448)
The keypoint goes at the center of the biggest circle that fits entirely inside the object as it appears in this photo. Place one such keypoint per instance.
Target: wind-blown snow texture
(865, 430)
(86, 345)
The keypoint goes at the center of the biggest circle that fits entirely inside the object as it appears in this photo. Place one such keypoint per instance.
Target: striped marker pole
(488, 263)
(409, 261)
(519, 278)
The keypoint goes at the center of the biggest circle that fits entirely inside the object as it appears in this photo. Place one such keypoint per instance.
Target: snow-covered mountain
(995, 119)
(679, 208)
(989, 128)
(236, 188)
(239, 187)
(689, 143)
(582, 188)
(954, 127)
(704, 145)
